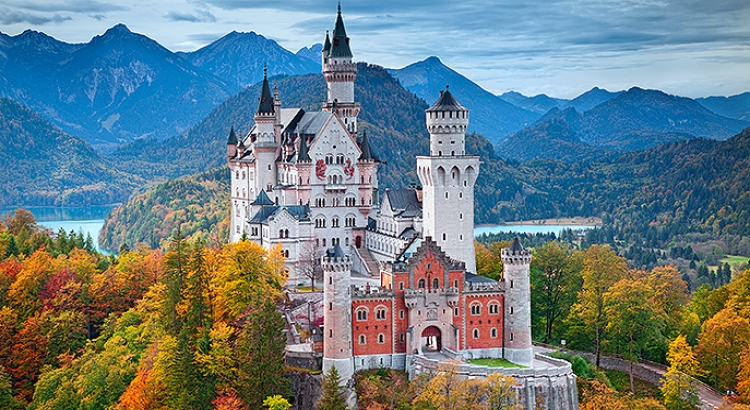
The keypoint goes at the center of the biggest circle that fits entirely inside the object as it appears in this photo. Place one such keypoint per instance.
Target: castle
(309, 182)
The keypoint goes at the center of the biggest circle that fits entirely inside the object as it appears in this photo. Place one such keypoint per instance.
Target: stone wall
(307, 389)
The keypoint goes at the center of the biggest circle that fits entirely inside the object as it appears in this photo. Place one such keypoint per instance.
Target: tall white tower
(517, 319)
(340, 72)
(337, 320)
(265, 146)
(448, 176)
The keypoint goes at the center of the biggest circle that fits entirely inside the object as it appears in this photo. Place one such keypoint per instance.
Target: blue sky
(561, 48)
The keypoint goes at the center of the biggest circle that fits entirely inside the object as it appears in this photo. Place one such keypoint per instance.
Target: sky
(562, 48)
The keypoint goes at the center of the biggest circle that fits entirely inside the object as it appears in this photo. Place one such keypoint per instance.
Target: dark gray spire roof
(303, 150)
(516, 247)
(335, 252)
(263, 199)
(265, 105)
(447, 102)
(340, 46)
(327, 44)
(232, 140)
(364, 145)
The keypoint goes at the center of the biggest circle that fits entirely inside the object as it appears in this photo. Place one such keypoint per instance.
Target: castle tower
(516, 263)
(337, 302)
(340, 72)
(232, 144)
(448, 176)
(265, 146)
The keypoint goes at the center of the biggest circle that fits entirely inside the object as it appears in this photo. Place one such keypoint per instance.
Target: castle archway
(431, 339)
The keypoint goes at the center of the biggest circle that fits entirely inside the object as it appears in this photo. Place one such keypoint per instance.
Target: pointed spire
(447, 102)
(265, 105)
(516, 247)
(303, 150)
(340, 46)
(364, 145)
(232, 140)
(327, 44)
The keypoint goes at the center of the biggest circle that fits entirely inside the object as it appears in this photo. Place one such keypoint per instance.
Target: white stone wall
(337, 302)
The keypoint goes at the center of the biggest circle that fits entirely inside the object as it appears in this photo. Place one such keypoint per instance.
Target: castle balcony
(411, 297)
(451, 297)
(335, 187)
(365, 292)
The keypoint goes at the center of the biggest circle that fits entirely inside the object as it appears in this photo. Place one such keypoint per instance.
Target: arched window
(435, 283)
(381, 338)
(362, 339)
(494, 308)
(421, 284)
(361, 314)
(493, 333)
(476, 308)
(380, 313)
(475, 333)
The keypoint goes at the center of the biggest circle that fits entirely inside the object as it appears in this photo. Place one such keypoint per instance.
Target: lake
(88, 219)
(532, 229)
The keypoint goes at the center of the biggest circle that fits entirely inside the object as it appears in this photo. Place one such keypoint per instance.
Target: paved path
(710, 399)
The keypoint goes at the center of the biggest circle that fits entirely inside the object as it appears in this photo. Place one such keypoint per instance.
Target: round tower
(448, 176)
(337, 321)
(265, 146)
(340, 72)
(517, 344)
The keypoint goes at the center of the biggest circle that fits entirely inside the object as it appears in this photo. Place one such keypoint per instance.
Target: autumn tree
(276, 403)
(633, 322)
(333, 393)
(723, 338)
(678, 386)
(743, 377)
(489, 263)
(601, 269)
(309, 263)
(555, 280)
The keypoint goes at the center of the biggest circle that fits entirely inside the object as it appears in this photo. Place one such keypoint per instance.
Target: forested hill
(42, 165)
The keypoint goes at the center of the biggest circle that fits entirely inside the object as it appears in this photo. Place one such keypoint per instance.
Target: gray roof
(312, 122)
(265, 104)
(516, 246)
(298, 212)
(404, 202)
(232, 140)
(478, 279)
(262, 199)
(335, 252)
(447, 102)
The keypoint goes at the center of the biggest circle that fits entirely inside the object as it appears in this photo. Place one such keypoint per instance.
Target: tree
(309, 262)
(633, 321)
(489, 262)
(333, 393)
(556, 279)
(601, 269)
(722, 339)
(19, 219)
(276, 403)
(678, 386)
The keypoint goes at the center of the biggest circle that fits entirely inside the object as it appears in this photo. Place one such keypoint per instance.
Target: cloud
(15, 17)
(199, 16)
(72, 6)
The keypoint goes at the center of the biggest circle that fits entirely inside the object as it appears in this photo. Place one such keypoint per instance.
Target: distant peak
(433, 60)
(119, 28)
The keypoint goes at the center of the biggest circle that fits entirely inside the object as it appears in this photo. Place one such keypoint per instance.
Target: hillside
(552, 139)
(491, 116)
(42, 165)
(736, 106)
(198, 205)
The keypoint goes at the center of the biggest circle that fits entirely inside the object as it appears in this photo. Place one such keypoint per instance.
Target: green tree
(555, 280)
(601, 269)
(333, 393)
(276, 403)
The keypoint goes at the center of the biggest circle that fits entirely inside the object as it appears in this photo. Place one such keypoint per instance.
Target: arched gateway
(432, 337)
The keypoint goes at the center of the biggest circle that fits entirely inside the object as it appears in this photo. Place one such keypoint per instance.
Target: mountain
(539, 104)
(45, 166)
(392, 117)
(118, 87)
(552, 139)
(312, 53)
(590, 99)
(239, 58)
(639, 119)
(491, 116)
(736, 106)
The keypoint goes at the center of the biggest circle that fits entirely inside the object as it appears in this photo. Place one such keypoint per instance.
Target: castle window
(286, 253)
(330, 306)
(461, 216)
(444, 236)
(330, 280)
(381, 338)
(362, 339)
(401, 314)
(335, 222)
(330, 333)
(455, 312)
(493, 333)
(269, 167)
(329, 159)
(476, 309)
(401, 337)
(455, 283)
(361, 314)
(340, 158)
(380, 314)
(421, 284)
(511, 337)
(511, 310)
(494, 308)
(446, 195)
(460, 237)
(238, 229)
(255, 231)
(237, 174)
(460, 195)
(511, 284)
(401, 286)
(475, 333)
(324, 240)
(243, 174)
(436, 283)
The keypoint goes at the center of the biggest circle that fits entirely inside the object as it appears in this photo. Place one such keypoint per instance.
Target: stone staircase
(372, 268)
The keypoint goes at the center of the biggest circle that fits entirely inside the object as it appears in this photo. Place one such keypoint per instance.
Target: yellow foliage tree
(722, 339)
(678, 386)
